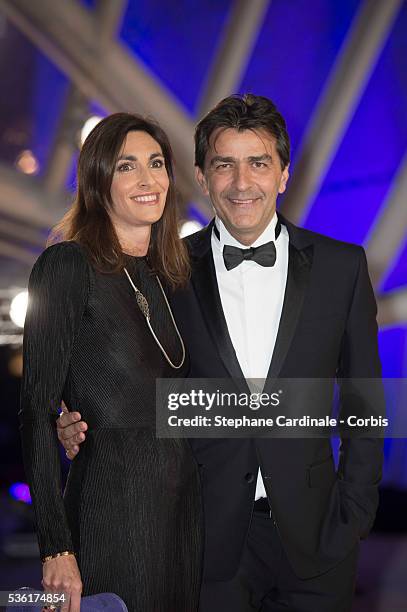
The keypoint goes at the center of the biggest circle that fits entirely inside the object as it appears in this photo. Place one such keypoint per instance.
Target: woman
(98, 332)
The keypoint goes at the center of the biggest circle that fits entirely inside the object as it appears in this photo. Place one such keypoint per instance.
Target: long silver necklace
(143, 305)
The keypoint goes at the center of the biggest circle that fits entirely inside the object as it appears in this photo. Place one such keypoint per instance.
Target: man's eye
(258, 164)
(223, 166)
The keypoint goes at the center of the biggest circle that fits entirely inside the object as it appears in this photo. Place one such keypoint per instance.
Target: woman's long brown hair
(88, 221)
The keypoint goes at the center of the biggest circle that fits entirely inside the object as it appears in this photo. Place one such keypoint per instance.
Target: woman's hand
(61, 575)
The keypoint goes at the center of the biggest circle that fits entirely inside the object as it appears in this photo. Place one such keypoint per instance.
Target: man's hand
(70, 431)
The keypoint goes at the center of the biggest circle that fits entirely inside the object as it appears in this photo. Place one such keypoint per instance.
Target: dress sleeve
(58, 292)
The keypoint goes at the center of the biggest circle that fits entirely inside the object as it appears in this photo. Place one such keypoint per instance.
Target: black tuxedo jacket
(327, 329)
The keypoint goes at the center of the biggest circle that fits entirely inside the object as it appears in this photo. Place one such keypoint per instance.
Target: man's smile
(247, 202)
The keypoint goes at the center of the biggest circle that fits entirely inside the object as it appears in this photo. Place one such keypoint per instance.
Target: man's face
(243, 177)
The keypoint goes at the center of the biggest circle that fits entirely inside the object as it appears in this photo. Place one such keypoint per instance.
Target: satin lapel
(299, 268)
(206, 289)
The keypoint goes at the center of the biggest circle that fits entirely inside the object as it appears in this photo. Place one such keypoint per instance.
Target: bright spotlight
(88, 126)
(18, 308)
(27, 162)
(189, 227)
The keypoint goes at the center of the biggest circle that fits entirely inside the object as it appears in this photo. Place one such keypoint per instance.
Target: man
(269, 300)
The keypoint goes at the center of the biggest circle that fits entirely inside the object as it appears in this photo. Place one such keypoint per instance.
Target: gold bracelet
(66, 553)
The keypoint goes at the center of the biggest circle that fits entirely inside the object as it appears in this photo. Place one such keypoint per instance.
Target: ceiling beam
(234, 52)
(66, 32)
(392, 309)
(22, 233)
(109, 17)
(334, 110)
(389, 229)
(17, 253)
(22, 198)
(66, 141)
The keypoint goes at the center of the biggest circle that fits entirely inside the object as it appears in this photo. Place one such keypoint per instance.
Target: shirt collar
(227, 238)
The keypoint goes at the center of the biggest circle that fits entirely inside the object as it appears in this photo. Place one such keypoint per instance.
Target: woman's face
(140, 182)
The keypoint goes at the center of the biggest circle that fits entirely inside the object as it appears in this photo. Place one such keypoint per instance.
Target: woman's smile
(147, 198)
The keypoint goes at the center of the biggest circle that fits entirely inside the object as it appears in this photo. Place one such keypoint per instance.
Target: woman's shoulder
(68, 251)
(63, 258)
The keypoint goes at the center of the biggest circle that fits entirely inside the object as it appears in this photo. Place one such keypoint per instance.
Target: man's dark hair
(243, 112)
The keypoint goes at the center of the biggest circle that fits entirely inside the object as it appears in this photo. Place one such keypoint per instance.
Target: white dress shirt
(252, 300)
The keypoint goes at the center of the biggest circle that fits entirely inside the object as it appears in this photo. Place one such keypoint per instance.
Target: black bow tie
(264, 255)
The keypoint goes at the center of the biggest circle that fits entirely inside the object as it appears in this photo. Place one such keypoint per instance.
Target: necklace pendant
(144, 307)
(143, 304)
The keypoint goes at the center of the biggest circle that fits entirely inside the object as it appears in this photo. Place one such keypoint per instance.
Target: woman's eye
(124, 167)
(157, 163)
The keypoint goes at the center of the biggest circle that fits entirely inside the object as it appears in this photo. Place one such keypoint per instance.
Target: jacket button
(249, 477)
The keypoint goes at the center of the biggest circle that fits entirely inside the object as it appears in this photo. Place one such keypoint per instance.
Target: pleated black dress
(131, 509)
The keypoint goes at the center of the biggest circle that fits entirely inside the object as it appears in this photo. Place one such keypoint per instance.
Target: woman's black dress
(131, 509)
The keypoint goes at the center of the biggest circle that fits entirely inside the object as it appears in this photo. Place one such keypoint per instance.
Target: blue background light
(21, 492)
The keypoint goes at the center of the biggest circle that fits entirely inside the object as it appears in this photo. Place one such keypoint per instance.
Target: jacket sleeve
(58, 290)
(361, 395)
